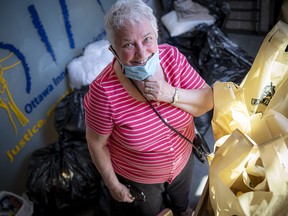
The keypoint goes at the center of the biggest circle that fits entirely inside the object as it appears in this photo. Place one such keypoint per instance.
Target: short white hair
(131, 11)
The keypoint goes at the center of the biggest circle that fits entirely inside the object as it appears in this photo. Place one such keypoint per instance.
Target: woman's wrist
(176, 97)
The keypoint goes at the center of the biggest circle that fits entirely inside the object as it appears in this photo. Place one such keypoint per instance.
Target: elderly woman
(144, 164)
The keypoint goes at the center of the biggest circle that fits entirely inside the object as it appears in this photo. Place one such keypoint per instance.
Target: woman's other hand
(121, 193)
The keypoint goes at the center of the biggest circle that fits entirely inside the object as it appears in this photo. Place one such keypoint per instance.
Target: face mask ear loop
(114, 53)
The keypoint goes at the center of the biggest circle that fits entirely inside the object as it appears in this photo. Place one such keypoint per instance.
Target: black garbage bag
(203, 122)
(69, 115)
(216, 58)
(220, 59)
(62, 176)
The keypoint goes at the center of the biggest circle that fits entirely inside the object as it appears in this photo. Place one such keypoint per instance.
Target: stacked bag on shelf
(249, 170)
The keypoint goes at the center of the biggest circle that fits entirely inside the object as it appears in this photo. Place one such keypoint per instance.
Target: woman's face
(135, 43)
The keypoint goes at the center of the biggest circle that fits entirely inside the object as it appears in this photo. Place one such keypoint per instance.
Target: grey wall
(37, 40)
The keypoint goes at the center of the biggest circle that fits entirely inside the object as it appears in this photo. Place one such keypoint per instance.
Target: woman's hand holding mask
(158, 90)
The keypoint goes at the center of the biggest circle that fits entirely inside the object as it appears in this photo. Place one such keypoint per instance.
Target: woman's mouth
(142, 62)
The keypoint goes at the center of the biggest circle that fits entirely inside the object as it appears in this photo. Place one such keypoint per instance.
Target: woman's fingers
(122, 194)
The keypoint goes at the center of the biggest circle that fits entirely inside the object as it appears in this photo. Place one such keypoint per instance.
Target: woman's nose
(140, 51)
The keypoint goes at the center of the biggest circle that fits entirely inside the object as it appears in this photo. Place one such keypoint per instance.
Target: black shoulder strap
(166, 123)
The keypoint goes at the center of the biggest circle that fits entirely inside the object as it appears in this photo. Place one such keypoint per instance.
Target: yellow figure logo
(6, 100)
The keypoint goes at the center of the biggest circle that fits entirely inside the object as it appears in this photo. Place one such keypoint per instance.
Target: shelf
(244, 15)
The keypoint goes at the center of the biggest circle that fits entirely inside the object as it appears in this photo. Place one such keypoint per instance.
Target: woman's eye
(129, 45)
(147, 39)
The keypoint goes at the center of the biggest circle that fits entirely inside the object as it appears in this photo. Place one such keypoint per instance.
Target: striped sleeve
(98, 112)
(179, 71)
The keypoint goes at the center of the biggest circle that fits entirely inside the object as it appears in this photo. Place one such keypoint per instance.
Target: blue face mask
(144, 71)
(141, 72)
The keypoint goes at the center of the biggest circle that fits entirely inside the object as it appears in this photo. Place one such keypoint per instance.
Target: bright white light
(201, 186)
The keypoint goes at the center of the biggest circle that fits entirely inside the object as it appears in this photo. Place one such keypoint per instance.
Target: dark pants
(157, 196)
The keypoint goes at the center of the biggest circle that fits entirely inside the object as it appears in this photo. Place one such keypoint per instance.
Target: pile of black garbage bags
(61, 176)
(212, 53)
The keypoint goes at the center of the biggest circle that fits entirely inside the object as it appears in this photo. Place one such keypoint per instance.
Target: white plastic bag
(13, 204)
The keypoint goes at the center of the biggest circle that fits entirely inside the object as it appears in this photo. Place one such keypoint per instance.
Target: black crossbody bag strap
(199, 153)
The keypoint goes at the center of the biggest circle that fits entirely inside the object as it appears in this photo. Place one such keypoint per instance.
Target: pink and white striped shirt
(142, 147)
